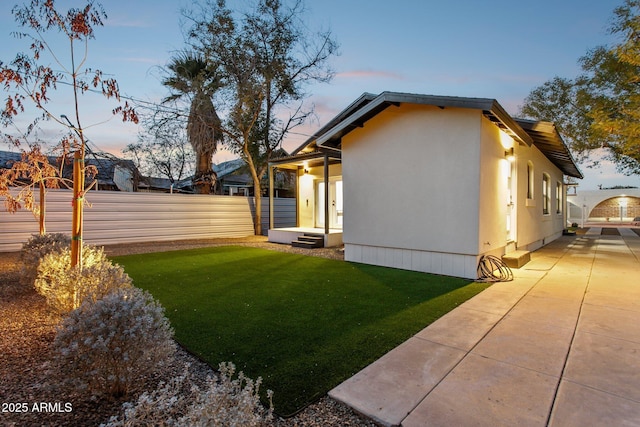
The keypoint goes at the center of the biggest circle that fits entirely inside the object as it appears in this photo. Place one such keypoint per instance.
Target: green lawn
(304, 324)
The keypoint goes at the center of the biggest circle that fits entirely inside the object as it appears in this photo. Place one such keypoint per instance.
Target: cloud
(369, 74)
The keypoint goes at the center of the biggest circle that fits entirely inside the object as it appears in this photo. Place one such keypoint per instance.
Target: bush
(112, 342)
(65, 288)
(34, 249)
(223, 402)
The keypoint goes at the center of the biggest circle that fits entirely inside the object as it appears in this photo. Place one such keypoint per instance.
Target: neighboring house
(114, 174)
(430, 183)
(149, 184)
(234, 179)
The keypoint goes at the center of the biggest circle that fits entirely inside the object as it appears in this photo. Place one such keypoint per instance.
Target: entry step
(516, 259)
(309, 241)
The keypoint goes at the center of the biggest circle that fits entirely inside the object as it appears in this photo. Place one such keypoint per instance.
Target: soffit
(547, 139)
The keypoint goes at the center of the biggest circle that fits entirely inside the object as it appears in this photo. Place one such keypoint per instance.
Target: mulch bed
(32, 393)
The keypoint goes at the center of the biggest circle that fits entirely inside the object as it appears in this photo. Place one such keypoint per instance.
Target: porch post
(326, 193)
(271, 221)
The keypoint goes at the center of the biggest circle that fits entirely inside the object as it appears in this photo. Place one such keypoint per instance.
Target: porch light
(510, 155)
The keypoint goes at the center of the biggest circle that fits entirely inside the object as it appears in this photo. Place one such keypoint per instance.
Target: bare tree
(163, 149)
(28, 79)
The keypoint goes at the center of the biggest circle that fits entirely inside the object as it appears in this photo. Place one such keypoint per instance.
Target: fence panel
(119, 217)
(284, 213)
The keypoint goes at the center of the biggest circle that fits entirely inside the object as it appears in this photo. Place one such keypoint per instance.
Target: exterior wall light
(510, 155)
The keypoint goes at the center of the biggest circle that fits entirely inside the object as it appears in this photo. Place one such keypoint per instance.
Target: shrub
(110, 343)
(223, 402)
(34, 249)
(65, 288)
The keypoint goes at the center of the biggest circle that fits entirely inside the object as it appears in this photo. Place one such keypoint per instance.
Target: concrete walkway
(558, 346)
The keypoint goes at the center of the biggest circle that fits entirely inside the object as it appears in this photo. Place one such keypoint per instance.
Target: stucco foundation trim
(448, 264)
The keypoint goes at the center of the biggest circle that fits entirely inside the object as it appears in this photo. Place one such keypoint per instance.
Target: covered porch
(319, 197)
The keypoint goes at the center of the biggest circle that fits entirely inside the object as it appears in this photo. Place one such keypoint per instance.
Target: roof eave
(549, 141)
(489, 107)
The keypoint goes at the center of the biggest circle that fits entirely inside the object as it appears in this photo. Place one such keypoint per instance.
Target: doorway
(336, 209)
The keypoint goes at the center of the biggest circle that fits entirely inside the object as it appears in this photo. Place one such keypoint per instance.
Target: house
(151, 184)
(429, 183)
(114, 174)
(234, 179)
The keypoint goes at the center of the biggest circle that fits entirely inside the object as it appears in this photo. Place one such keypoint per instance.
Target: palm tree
(192, 77)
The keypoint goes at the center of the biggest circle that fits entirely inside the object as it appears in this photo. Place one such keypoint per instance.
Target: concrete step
(309, 241)
(516, 259)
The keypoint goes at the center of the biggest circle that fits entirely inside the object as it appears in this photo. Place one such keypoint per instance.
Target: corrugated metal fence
(119, 217)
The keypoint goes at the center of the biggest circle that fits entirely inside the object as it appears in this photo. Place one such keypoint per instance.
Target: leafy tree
(192, 77)
(22, 176)
(29, 80)
(266, 57)
(601, 107)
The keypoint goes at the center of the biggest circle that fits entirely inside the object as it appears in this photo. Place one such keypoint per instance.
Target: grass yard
(304, 324)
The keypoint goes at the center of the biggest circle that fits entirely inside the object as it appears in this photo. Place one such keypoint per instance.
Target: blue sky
(498, 49)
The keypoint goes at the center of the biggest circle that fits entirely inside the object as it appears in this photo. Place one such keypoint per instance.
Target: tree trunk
(203, 174)
(257, 224)
(43, 206)
(78, 205)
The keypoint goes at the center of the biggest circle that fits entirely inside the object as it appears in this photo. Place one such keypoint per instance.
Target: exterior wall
(411, 188)
(590, 206)
(534, 228)
(306, 192)
(493, 201)
(610, 209)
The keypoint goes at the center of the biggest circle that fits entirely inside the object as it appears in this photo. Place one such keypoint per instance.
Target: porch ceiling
(311, 158)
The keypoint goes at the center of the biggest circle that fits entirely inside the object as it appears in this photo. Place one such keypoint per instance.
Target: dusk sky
(493, 49)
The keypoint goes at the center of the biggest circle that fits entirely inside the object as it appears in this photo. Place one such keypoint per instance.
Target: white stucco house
(429, 183)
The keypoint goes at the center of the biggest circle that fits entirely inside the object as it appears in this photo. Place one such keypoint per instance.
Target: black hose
(493, 269)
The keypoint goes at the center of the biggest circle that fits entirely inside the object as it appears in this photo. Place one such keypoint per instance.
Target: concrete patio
(558, 346)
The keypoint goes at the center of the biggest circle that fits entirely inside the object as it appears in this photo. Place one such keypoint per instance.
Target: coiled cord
(493, 269)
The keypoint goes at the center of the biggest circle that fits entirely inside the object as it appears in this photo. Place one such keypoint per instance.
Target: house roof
(547, 139)
(106, 166)
(541, 134)
(310, 144)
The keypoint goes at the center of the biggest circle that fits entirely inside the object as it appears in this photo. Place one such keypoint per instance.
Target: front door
(335, 203)
(511, 194)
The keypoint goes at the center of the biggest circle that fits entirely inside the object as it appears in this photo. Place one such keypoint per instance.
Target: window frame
(546, 196)
(559, 197)
(530, 181)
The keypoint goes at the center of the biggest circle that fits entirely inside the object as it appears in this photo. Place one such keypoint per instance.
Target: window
(546, 189)
(529, 180)
(559, 198)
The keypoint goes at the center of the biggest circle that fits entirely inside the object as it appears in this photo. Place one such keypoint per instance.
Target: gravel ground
(27, 329)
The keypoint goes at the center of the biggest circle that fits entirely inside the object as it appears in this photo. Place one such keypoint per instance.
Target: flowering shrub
(34, 249)
(223, 402)
(111, 342)
(65, 288)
